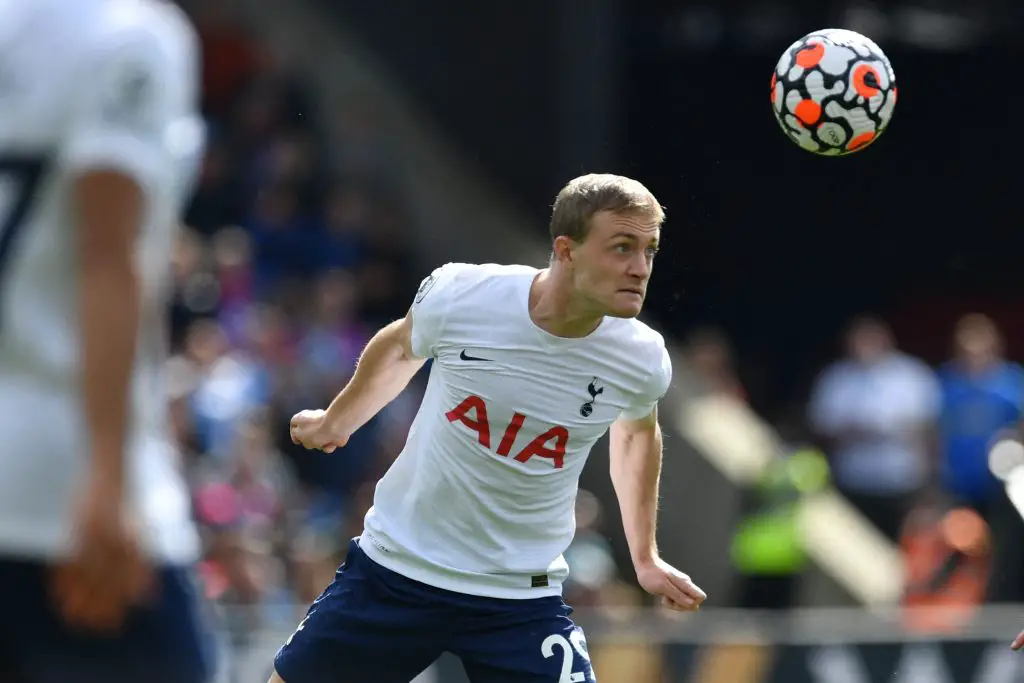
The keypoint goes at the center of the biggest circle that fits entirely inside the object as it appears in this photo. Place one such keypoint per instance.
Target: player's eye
(652, 251)
(623, 248)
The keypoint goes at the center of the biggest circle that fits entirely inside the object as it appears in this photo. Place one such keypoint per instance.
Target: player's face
(615, 261)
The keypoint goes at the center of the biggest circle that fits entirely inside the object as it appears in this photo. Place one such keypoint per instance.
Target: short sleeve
(430, 308)
(122, 117)
(660, 380)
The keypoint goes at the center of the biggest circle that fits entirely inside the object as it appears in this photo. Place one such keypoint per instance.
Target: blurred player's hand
(310, 430)
(1018, 642)
(676, 589)
(107, 573)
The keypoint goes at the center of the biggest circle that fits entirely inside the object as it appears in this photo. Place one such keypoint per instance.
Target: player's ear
(562, 249)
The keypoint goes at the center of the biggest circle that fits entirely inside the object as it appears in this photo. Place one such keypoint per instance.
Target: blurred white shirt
(876, 413)
(87, 84)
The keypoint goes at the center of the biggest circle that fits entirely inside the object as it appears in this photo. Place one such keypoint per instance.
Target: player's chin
(625, 305)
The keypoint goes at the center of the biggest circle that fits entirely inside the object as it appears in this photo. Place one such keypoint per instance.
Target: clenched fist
(310, 429)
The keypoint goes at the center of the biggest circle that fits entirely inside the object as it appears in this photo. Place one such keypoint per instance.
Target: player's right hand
(107, 573)
(310, 429)
(1018, 642)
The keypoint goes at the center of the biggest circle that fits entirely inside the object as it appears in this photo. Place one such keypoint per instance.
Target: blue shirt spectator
(981, 395)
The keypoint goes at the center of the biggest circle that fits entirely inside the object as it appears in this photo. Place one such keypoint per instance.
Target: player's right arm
(385, 368)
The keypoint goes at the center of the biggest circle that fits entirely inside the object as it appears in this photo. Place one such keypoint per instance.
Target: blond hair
(587, 195)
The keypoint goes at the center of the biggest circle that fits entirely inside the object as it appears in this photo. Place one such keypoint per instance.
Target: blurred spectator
(246, 504)
(284, 238)
(873, 410)
(230, 384)
(348, 222)
(216, 201)
(231, 58)
(195, 294)
(232, 257)
(768, 549)
(982, 394)
(591, 565)
(363, 147)
(246, 507)
(710, 357)
(947, 560)
(384, 283)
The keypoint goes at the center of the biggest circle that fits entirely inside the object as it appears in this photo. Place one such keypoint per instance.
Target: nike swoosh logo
(463, 356)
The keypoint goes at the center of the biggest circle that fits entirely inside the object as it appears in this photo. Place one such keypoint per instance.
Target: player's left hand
(1018, 642)
(677, 590)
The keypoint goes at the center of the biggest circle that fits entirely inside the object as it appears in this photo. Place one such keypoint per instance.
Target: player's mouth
(633, 290)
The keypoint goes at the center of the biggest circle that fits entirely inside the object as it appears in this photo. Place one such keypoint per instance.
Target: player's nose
(639, 268)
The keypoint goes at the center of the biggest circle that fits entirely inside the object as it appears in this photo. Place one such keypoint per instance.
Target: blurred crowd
(289, 260)
(908, 445)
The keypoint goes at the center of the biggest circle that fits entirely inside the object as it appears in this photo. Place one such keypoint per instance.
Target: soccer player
(100, 141)
(462, 549)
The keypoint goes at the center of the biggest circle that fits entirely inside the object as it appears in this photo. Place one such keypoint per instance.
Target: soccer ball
(833, 92)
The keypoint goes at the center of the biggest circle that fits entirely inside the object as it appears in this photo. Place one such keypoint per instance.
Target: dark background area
(777, 246)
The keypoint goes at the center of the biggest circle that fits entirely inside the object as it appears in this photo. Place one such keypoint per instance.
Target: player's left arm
(635, 445)
(635, 451)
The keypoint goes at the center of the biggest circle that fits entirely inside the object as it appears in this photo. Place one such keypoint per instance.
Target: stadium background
(357, 145)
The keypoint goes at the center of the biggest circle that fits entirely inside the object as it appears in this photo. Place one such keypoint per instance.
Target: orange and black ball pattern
(833, 92)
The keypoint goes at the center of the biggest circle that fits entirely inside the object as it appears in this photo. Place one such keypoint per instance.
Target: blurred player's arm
(116, 155)
(109, 207)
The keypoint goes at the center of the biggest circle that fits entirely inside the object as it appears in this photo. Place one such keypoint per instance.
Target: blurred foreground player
(462, 550)
(99, 142)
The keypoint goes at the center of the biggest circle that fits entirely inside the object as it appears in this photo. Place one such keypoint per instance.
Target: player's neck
(554, 309)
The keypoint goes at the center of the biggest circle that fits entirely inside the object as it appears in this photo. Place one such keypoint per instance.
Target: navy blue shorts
(372, 624)
(163, 642)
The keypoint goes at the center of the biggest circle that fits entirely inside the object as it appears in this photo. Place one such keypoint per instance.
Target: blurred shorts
(372, 624)
(166, 641)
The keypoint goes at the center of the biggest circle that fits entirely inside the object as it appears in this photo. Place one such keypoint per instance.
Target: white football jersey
(481, 500)
(87, 84)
